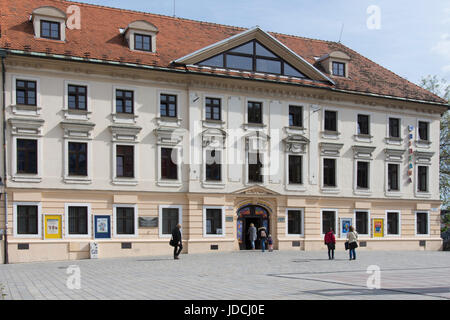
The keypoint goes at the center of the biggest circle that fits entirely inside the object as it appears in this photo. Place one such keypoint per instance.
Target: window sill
(394, 141)
(75, 180)
(295, 187)
(330, 134)
(124, 118)
(213, 185)
(422, 194)
(295, 130)
(26, 110)
(214, 124)
(75, 114)
(124, 182)
(363, 138)
(393, 194)
(423, 144)
(28, 179)
(257, 126)
(165, 183)
(330, 190)
(169, 122)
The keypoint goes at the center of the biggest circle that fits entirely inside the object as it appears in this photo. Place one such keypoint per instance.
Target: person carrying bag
(352, 242)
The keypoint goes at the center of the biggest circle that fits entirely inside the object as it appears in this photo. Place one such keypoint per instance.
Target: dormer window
(141, 36)
(49, 23)
(142, 42)
(50, 30)
(338, 69)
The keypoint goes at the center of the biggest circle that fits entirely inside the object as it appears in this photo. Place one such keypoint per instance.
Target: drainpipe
(5, 195)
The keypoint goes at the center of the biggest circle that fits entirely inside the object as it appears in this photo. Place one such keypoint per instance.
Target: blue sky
(413, 39)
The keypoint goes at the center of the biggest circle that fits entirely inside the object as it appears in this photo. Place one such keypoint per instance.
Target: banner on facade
(52, 226)
(378, 228)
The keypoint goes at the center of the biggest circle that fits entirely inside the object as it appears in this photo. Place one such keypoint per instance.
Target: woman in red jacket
(330, 241)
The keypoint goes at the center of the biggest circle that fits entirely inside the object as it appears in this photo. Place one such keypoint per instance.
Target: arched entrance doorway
(255, 214)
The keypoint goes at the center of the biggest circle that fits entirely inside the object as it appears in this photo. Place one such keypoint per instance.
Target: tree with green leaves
(441, 88)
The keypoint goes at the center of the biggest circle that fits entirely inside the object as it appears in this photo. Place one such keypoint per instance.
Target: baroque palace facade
(118, 125)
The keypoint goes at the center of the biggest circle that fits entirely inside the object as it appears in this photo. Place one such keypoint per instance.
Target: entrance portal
(246, 216)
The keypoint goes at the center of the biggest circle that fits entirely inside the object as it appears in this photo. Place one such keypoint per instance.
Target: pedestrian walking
(176, 241)
(330, 242)
(263, 237)
(352, 238)
(252, 235)
(270, 242)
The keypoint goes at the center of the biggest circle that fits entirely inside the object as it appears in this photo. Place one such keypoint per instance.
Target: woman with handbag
(330, 241)
(352, 238)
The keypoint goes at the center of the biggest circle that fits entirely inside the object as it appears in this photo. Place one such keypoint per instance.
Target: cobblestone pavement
(251, 275)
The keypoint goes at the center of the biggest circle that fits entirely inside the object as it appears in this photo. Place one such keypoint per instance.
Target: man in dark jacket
(176, 236)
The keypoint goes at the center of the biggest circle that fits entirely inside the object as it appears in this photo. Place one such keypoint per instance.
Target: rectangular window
(328, 221)
(169, 168)
(50, 30)
(212, 109)
(78, 220)
(329, 172)
(254, 112)
(168, 105)
(77, 96)
(142, 42)
(393, 174)
(214, 221)
(393, 223)
(125, 161)
(362, 175)
(394, 128)
(255, 167)
(295, 169)
(27, 156)
(26, 92)
(422, 222)
(27, 220)
(125, 220)
(213, 165)
(423, 131)
(295, 116)
(124, 101)
(338, 69)
(422, 179)
(77, 159)
(294, 222)
(363, 124)
(170, 218)
(330, 120)
(362, 222)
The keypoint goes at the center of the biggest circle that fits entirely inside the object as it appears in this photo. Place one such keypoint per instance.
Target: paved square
(241, 275)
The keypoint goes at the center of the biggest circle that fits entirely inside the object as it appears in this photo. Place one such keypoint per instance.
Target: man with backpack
(263, 237)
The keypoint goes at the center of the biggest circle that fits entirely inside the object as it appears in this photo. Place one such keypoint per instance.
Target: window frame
(299, 117)
(211, 105)
(136, 215)
(66, 220)
(50, 22)
(336, 215)
(124, 99)
(68, 159)
(358, 127)
(335, 173)
(133, 175)
(357, 187)
(135, 34)
(76, 178)
(428, 224)
(302, 182)
(169, 182)
(167, 109)
(302, 222)
(205, 234)
(339, 64)
(386, 226)
(369, 234)
(428, 131)
(16, 222)
(25, 173)
(262, 155)
(160, 218)
(221, 164)
(418, 181)
(261, 112)
(26, 90)
(86, 96)
(399, 128)
(398, 177)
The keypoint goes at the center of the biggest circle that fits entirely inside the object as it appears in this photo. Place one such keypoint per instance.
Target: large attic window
(49, 23)
(141, 36)
(252, 56)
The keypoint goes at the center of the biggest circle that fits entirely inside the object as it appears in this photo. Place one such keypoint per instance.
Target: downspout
(5, 195)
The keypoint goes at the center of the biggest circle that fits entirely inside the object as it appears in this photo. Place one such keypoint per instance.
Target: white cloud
(446, 69)
(443, 46)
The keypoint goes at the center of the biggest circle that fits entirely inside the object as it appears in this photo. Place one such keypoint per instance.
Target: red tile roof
(99, 38)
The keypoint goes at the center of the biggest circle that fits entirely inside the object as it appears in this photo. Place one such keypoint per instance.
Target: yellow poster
(378, 228)
(52, 227)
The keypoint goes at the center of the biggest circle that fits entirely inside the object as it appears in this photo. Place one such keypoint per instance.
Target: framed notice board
(52, 226)
(378, 228)
(102, 227)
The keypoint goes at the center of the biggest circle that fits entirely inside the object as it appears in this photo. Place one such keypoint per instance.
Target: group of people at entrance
(351, 244)
(263, 236)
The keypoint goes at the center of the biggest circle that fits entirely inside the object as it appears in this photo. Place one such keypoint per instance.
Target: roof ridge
(384, 68)
(300, 37)
(149, 13)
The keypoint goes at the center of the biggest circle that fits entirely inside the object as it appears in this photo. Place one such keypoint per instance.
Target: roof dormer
(49, 23)
(336, 63)
(141, 36)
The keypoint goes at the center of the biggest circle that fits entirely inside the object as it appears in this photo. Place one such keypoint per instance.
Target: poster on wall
(345, 226)
(102, 227)
(52, 226)
(378, 227)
